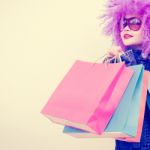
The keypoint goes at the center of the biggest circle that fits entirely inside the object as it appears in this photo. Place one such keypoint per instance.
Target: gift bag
(121, 124)
(81, 97)
(142, 111)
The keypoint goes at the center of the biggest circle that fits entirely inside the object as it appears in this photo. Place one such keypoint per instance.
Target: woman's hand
(113, 53)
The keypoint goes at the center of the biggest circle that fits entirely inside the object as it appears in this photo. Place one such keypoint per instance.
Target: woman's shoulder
(131, 57)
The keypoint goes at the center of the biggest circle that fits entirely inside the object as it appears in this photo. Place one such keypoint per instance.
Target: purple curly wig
(116, 9)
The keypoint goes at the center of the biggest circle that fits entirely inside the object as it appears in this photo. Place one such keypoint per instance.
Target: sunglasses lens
(135, 24)
(123, 24)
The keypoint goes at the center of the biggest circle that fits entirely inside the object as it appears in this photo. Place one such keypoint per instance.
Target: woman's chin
(132, 44)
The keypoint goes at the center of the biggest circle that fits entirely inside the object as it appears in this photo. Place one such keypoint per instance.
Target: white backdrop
(39, 41)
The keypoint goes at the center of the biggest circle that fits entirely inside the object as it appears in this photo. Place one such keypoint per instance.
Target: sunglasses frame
(129, 24)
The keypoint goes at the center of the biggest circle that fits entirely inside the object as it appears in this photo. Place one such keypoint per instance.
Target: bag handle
(116, 59)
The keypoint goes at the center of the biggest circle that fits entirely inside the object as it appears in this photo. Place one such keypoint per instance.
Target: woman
(128, 22)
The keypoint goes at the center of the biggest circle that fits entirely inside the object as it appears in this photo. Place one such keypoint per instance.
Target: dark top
(134, 57)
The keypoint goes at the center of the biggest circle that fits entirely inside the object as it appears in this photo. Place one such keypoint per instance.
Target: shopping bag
(148, 96)
(120, 125)
(81, 97)
(142, 111)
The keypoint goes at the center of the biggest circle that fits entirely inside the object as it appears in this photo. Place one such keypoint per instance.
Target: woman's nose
(126, 28)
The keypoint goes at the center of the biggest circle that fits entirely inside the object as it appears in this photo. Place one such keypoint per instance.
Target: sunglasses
(133, 23)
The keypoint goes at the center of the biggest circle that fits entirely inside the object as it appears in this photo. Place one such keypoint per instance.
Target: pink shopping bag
(81, 99)
(124, 122)
(142, 110)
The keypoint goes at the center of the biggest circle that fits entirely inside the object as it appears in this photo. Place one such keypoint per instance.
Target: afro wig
(116, 9)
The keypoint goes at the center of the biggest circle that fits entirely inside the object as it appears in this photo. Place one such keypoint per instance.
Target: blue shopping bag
(124, 122)
(148, 96)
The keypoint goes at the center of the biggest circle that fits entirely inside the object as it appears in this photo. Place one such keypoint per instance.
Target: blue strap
(148, 99)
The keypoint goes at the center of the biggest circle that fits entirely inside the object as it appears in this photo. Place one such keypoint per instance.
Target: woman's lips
(127, 36)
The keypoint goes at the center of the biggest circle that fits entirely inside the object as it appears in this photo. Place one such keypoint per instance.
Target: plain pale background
(39, 41)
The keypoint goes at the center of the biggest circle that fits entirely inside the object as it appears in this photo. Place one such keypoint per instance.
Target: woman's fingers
(115, 51)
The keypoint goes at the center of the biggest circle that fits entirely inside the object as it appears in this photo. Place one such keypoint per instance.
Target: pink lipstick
(127, 36)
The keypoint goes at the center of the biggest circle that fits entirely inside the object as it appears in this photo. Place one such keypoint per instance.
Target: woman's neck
(138, 47)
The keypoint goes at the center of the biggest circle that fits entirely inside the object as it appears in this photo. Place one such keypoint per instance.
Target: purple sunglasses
(133, 23)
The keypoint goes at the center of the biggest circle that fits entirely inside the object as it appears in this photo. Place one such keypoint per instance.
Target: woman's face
(131, 30)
